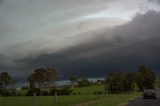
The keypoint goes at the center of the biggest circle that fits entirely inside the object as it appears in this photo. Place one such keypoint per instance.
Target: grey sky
(31, 29)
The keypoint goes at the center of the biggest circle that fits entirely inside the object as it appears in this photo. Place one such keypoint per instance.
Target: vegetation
(144, 78)
(115, 91)
(42, 78)
(120, 82)
(72, 100)
(5, 80)
(83, 83)
(87, 90)
(112, 100)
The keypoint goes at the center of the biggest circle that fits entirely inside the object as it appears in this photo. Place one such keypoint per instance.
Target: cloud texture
(78, 38)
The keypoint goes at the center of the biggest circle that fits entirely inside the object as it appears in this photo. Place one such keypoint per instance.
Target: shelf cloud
(88, 38)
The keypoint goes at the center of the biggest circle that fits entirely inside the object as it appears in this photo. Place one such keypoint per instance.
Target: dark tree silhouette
(42, 77)
(145, 78)
(120, 82)
(5, 80)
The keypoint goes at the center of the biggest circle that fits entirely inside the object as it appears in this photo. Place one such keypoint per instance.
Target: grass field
(84, 97)
(88, 90)
(73, 100)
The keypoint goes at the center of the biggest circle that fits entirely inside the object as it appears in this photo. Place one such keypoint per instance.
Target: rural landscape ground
(85, 98)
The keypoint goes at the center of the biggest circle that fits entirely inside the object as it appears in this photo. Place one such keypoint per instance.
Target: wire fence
(55, 100)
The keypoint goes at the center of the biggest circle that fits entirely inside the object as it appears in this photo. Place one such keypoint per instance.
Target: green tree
(51, 76)
(83, 82)
(145, 78)
(5, 80)
(120, 82)
(42, 77)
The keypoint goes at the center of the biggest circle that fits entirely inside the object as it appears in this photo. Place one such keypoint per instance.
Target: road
(146, 102)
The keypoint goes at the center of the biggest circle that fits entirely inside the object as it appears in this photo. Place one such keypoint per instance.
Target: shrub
(63, 91)
(45, 93)
(31, 91)
(98, 93)
(8, 93)
(83, 83)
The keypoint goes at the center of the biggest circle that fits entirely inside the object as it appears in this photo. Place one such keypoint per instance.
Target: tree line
(127, 81)
(43, 78)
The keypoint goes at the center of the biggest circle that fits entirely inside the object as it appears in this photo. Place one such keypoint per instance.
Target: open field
(81, 96)
(89, 89)
(73, 100)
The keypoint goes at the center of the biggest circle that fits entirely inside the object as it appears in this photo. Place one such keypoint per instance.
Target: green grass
(112, 100)
(89, 89)
(83, 97)
(46, 100)
(73, 100)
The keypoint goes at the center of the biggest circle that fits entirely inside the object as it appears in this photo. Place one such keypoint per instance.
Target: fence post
(0, 100)
(34, 95)
(55, 97)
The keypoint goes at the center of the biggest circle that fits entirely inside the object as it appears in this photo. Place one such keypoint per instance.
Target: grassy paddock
(81, 96)
(112, 100)
(73, 100)
(89, 89)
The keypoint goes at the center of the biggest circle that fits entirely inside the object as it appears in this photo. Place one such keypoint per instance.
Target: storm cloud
(122, 48)
(84, 39)
(156, 1)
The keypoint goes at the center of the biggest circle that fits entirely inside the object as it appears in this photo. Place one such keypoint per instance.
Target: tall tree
(145, 78)
(51, 76)
(41, 77)
(5, 80)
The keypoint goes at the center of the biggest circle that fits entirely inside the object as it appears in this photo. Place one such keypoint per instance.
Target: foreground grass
(73, 100)
(112, 100)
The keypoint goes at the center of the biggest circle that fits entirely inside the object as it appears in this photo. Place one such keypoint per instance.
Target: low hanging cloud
(37, 41)
(122, 48)
(156, 1)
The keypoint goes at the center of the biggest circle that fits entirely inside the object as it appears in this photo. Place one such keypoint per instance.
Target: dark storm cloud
(120, 49)
(156, 1)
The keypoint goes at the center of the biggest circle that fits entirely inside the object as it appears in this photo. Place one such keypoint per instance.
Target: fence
(54, 100)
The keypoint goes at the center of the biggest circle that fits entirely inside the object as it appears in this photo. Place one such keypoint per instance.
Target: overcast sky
(85, 38)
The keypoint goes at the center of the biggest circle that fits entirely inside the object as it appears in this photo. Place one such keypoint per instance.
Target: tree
(51, 76)
(83, 82)
(5, 80)
(145, 78)
(32, 80)
(119, 82)
(42, 77)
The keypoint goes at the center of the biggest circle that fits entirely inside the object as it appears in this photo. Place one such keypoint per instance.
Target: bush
(53, 91)
(31, 91)
(63, 91)
(8, 93)
(45, 93)
(83, 83)
(97, 93)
